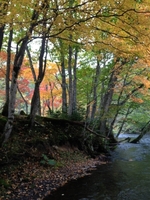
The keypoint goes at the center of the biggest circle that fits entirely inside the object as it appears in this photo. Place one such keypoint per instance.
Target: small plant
(47, 161)
(4, 183)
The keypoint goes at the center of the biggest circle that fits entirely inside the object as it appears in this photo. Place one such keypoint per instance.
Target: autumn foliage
(50, 89)
(52, 43)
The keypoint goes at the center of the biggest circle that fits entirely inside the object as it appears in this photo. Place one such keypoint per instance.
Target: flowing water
(126, 177)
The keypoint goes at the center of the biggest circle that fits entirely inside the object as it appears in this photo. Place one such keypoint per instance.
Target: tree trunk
(107, 98)
(31, 64)
(124, 120)
(5, 108)
(35, 103)
(137, 139)
(16, 69)
(106, 103)
(63, 83)
(26, 103)
(144, 130)
(64, 90)
(74, 102)
(70, 96)
(1, 35)
(95, 84)
(52, 96)
(118, 105)
(13, 90)
(3, 13)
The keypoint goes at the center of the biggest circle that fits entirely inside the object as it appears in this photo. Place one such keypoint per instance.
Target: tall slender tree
(7, 80)
(3, 13)
(21, 47)
(36, 95)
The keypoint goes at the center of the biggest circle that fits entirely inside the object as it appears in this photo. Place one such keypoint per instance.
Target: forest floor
(35, 163)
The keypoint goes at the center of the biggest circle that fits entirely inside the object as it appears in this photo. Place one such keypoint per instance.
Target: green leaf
(51, 162)
(47, 161)
(114, 20)
(138, 1)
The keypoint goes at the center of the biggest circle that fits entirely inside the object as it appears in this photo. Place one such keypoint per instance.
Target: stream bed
(126, 177)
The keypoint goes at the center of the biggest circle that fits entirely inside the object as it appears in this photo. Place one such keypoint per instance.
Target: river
(126, 177)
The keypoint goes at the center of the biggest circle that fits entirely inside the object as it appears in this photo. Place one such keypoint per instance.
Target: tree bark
(107, 99)
(16, 69)
(13, 90)
(124, 120)
(35, 103)
(95, 84)
(144, 130)
(74, 102)
(63, 83)
(5, 108)
(1, 35)
(3, 13)
(70, 95)
(106, 103)
(31, 64)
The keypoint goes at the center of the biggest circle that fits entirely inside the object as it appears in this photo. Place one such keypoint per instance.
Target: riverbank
(33, 163)
(33, 181)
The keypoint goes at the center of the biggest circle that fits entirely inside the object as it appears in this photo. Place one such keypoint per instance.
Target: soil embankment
(36, 162)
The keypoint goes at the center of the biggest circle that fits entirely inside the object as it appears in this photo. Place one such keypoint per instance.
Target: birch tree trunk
(20, 51)
(3, 13)
(13, 90)
(5, 108)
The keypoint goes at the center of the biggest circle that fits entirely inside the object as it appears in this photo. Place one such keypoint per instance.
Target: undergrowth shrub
(77, 115)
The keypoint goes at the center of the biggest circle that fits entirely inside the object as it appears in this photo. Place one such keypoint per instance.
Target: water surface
(127, 177)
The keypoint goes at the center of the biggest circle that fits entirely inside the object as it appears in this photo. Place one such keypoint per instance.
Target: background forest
(78, 60)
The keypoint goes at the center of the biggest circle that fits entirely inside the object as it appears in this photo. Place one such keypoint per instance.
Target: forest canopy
(80, 60)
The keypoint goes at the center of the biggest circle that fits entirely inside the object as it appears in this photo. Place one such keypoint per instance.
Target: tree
(63, 76)
(36, 95)
(8, 72)
(3, 13)
(50, 89)
(113, 27)
(21, 46)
